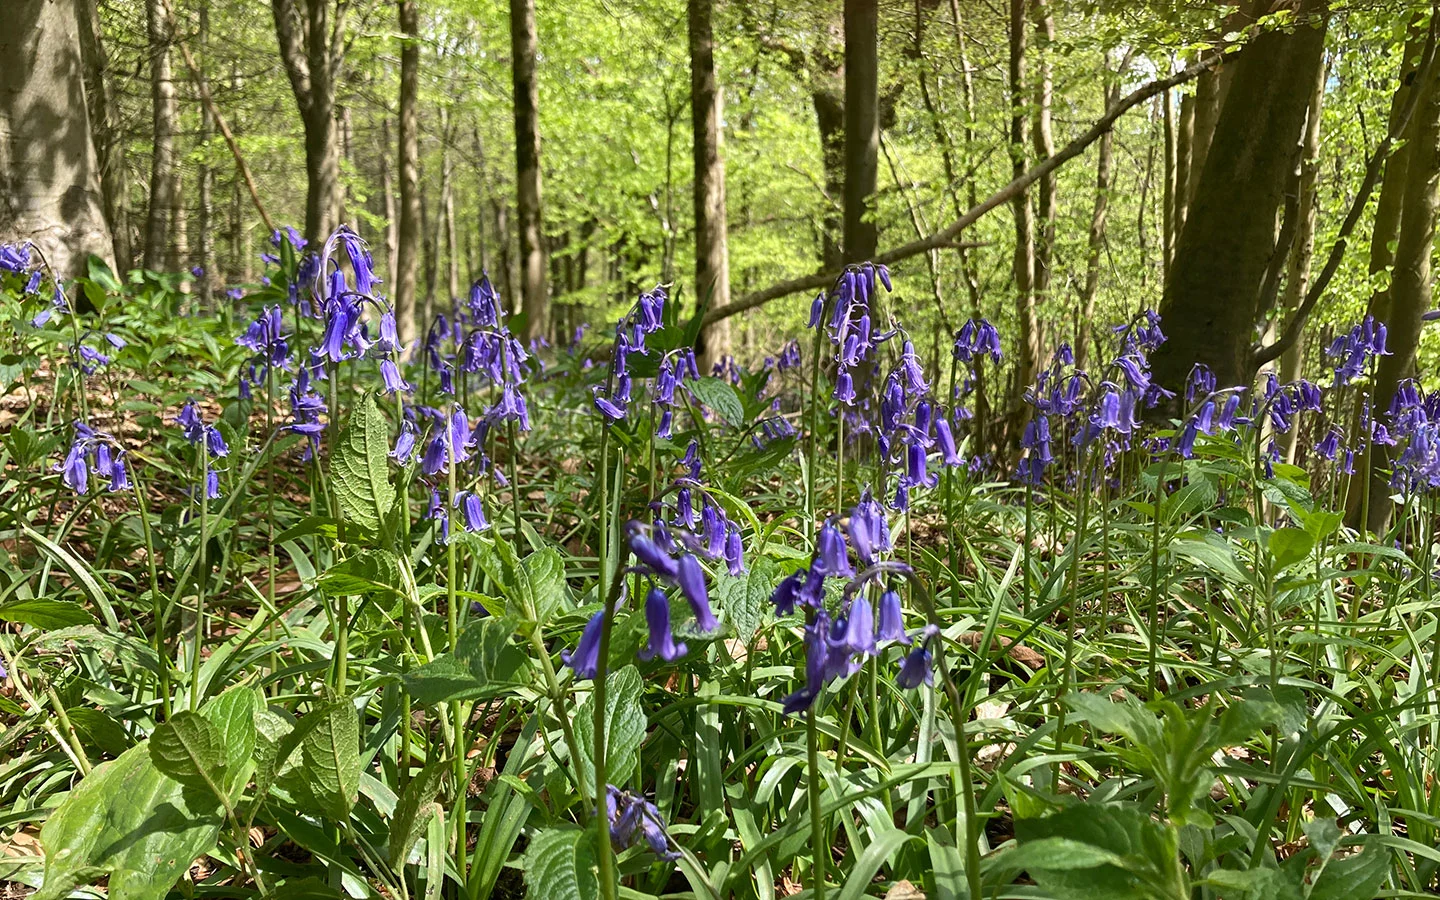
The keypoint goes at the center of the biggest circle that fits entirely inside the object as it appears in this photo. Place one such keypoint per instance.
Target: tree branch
(1263, 355)
(947, 235)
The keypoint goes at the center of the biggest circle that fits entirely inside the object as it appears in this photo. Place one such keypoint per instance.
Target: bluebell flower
(1329, 445)
(212, 484)
(390, 374)
(891, 625)
(650, 555)
(859, 634)
(632, 816)
(585, 661)
(832, 554)
(662, 641)
(691, 579)
(916, 669)
(470, 505)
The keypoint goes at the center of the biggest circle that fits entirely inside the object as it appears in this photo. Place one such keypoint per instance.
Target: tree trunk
(205, 189)
(1410, 280)
(862, 126)
(387, 201)
(1027, 361)
(1212, 290)
(447, 209)
(534, 301)
(312, 47)
(1386, 229)
(1302, 247)
(1044, 136)
(1168, 193)
(105, 127)
(1105, 155)
(163, 112)
(49, 178)
(712, 267)
(1184, 148)
(408, 162)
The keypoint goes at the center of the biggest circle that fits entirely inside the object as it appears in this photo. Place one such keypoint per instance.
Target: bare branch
(947, 235)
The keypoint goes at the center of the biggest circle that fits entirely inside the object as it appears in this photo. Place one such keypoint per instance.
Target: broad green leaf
(368, 571)
(1290, 545)
(190, 750)
(485, 662)
(417, 805)
(359, 471)
(45, 613)
(1256, 884)
(1060, 854)
(1357, 875)
(271, 731)
(560, 865)
(534, 588)
(330, 752)
(720, 397)
(625, 731)
(127, 820)
(1130, 853)
(99, 730)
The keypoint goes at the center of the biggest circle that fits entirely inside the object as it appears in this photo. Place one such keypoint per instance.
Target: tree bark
(408, 162)
(535, 302)
(160, 213)
(49, 177)
(387, 200)
(312, 47)
(1044, 139)
(1411, 278)
(1168, 186)
(712, 266)
(105, 128)
(1184, 148)
(1386, 228)
(205, 187)
(1104, 160)
(1212, 290)
(1027, 361)
(862, 127)
(447, 209)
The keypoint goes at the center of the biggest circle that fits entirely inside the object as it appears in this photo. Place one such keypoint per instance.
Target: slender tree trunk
(1184, 163)
(1044, 136)
(1411, 280)
(482, 190)
(105, 127)
(408, 162)
(1386, 229)
(205, 188)
(1302, 248)
(387, 200)
(535, 302)
(862, 126)
(1104, 160)
(312, 47)
(430, 263)
(163, 112)
(829, 104)
(447, 208)
(1168, 199)
(346, 135)
(49, 178)
(1028, 356)
(712, 266)
(1212, 290)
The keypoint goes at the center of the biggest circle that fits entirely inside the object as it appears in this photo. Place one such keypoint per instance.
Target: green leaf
(1358, 875)
(100, 273)
(368, 571)
(560, 865)
(743, 599)
(625, 731)
(359, 471)
(233, 714)
(1290, 545)
(720, 397)
(190, 750)
(330, 752)
(484, 663)
(534, 588)
(1147, 852)
(271, 731)
(131, 822)
(417, 805)
(1061, 854)
(98, 729)
(46, 614)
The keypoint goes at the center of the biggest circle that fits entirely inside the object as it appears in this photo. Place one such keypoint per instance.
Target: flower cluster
(208, 440)
(632, 819)
(265, 337)
(96, 451)
(1351, 352)
(644, 318)
(837, 645)
(849, 325)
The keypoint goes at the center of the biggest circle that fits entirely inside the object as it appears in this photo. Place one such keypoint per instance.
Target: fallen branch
(946, 236)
